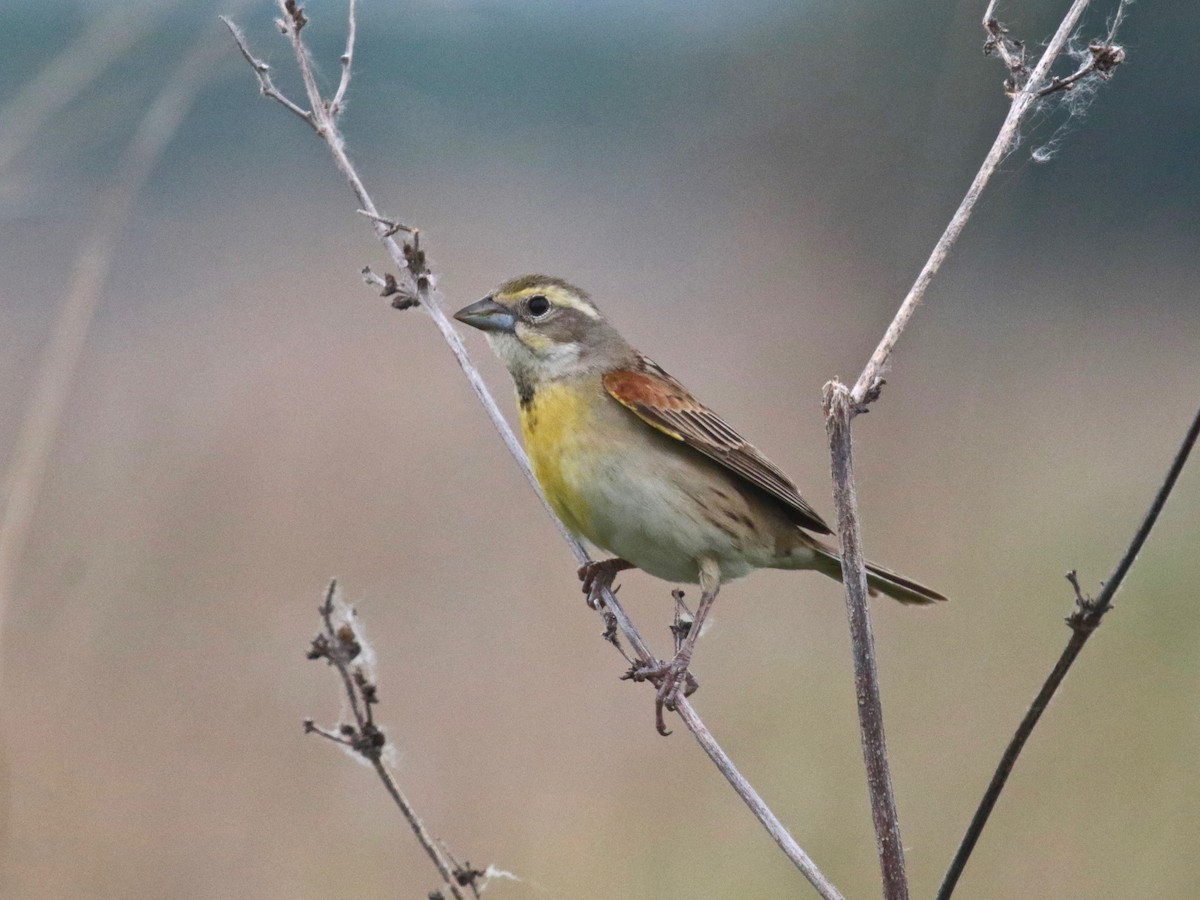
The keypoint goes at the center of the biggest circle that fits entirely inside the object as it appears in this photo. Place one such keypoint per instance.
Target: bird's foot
(673, 681)
(597, 576)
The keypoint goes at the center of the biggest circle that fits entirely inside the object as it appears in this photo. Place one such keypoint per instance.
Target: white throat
(554, 361)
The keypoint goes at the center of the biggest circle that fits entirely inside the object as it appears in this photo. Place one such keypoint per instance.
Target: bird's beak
(487, 315)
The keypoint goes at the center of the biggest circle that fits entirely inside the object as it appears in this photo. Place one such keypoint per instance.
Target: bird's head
(543, 328)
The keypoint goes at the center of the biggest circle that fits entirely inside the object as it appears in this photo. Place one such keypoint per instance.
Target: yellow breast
(555, 423)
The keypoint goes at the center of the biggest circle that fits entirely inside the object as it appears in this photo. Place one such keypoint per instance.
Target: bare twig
(390, 288)
(392, 226)
(415, 281)
(340, 645)
(89, 274)
(616, 619)
(263, 71)
(1102, 60)
(337, 104)
(1007, 48)
(411, 282)
(1024, 97)
(1084, 620)
(838, 412)
(1104, 56)
(841, 405)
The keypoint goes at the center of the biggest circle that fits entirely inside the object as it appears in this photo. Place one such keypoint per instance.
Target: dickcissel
(634, 464)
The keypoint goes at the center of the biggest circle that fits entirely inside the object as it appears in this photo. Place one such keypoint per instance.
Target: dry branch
(415, 285)
(1026, 92)
(841, 405)
(839, 412)
(339, 644)
(1083, 621)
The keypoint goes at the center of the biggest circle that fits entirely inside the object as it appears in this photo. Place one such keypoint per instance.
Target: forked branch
(339, 644)
(843, 404)
(263, 72)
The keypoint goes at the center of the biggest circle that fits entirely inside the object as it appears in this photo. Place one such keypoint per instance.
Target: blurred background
(748, 191)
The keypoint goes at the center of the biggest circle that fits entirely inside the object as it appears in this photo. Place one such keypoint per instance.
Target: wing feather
(663, 403)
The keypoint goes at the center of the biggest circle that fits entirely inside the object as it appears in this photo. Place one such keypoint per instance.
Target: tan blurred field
(248, 420)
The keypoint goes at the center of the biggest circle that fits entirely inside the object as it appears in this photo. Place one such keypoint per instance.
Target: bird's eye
(538, 306)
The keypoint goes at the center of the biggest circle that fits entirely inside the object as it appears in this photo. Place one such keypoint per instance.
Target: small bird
(634, 464)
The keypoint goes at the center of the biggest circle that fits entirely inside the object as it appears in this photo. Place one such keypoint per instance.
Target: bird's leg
(673, 677)
(596, 576)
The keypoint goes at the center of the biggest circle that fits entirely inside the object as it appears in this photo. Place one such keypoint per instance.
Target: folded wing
(663, 403)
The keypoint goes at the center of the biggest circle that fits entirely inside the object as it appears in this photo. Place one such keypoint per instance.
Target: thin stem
(446, 868)
(339, 645)
(263, 73)
(293, 21)
(841, 406)
(839, 412)
(1104, 600)
(761, 811)
(1021, 103)
(1010, 51)
(1083, 621)
(425, 288)
(339, 98)
(415, 281)
(1103, 59)
(611, 608)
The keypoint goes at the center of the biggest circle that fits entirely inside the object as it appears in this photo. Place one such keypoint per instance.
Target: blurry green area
(748, 190)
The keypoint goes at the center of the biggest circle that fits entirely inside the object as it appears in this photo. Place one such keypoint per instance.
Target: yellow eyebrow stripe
(558, 297)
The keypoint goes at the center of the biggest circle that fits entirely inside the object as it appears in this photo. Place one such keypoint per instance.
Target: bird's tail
(879, 579)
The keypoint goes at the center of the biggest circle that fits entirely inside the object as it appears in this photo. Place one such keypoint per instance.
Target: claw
(669, 678)
(672, 679)
(596, 576)
(659, 725)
